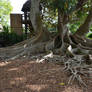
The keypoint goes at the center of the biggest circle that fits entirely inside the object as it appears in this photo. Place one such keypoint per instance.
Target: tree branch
(84, 28)
(80, 4)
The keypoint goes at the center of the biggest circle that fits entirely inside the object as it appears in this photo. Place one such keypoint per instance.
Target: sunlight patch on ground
(18, 81)
(13, 69)
(4, 64)
(72, 89)
(37, 88)
(31, 62)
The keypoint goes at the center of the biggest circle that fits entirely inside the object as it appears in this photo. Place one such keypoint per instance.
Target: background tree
(5, 10)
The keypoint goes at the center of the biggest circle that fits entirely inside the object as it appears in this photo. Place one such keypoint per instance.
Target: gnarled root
(76, 68)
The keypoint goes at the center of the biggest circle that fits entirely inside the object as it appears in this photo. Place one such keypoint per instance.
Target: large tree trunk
(79, 35)
(34, 13)
(60, 39)
(34, 45)
(42, 34)
(76, 40)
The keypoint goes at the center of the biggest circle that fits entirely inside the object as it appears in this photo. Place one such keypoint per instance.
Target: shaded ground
(29, 76)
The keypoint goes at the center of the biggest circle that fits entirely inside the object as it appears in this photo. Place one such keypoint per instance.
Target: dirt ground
(29, 76)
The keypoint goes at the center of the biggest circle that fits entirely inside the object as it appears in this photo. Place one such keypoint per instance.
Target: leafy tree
(73, 15)
(68, 13)
(5, 10)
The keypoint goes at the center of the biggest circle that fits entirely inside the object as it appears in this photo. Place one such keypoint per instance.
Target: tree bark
(62, 30)
(34, 13)
(42, 34)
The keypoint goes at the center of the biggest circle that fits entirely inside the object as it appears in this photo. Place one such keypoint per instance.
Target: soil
(23, 75)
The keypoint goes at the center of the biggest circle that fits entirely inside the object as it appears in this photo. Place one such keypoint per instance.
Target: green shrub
(10, 38)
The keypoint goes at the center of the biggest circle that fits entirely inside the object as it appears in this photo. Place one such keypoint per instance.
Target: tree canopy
(75, 10)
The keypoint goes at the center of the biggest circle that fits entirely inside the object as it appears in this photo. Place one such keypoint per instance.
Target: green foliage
(49, 15)
(73, 27)
(5, 10)
(89, 35)
(10, 38)
(67, 7)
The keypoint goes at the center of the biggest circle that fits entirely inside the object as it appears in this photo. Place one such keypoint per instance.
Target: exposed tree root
(75, 67)
(74, 64)
(24, 48)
